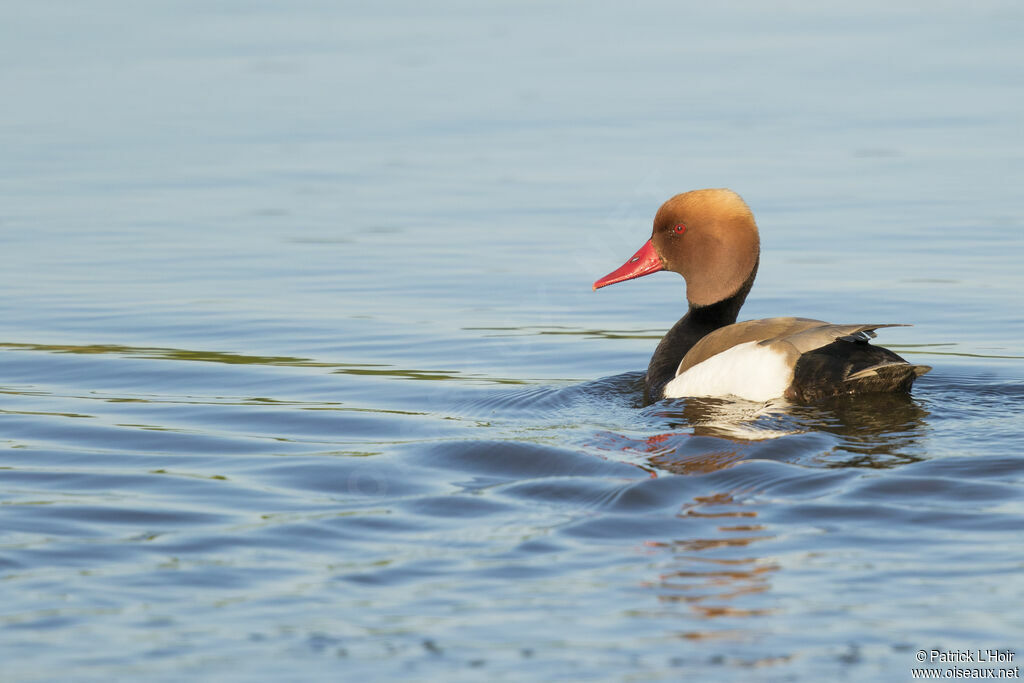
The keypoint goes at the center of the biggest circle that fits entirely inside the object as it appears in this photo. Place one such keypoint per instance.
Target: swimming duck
(710, 238)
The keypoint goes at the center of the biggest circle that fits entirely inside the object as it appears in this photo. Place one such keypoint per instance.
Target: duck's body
(709, 237)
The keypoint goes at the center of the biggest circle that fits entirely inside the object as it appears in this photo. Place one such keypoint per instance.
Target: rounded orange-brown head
(707, 236)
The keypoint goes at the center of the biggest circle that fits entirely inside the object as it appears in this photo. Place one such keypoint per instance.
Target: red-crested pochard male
(710, 238)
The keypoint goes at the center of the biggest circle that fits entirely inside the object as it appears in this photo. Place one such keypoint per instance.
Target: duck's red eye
(680, 229)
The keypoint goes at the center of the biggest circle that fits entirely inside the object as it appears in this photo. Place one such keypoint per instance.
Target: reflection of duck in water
(716, 433)
(710, 238)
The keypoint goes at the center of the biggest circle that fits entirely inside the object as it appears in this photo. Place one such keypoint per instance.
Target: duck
(710, 237)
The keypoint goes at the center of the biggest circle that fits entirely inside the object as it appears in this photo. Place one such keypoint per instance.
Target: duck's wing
(764, 330)
(822, 334)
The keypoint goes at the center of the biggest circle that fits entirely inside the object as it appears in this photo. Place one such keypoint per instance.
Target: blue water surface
(302, 378)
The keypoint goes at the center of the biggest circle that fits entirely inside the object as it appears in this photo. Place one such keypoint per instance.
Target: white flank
(750, 371)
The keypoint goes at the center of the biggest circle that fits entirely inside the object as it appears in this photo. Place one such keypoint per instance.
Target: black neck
(691, 328)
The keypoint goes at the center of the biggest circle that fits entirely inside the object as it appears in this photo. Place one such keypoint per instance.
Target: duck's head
(707, 236)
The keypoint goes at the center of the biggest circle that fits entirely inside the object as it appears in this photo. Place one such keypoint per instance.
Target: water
(301, 376)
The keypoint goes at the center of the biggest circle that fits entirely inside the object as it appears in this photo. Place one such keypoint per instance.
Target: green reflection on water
(160, 353)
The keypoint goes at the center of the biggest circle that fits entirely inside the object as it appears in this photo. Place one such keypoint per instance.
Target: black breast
(691, 328)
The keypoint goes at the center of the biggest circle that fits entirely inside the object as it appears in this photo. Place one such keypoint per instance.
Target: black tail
(851, 367)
